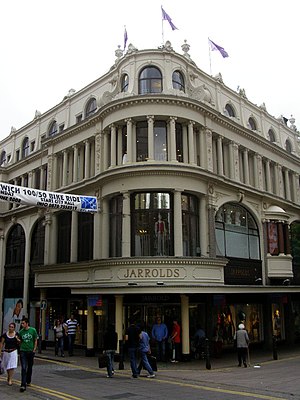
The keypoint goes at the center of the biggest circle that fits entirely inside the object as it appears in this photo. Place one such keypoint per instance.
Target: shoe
(151, 376)
(22, 389)
(9, 383)
(135, 376)
(245, 365)
(28, 384)
(112, 372)
(109, 376)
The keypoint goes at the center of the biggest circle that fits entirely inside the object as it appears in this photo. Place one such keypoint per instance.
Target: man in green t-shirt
(28, 345)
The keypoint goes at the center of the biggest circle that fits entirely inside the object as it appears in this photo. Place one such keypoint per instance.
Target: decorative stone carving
(119, 53)
(219, 77)
(131, 49)
(201, 93)
(168, 46)
(185, 48)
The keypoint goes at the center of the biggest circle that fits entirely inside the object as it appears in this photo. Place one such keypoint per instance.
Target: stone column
(280, 181)
(178, 247)
(150, 119)
(296, 197)
(185, 326)
(191, 142)
(31, 182)
(209, 152)
(259, 172)
(74, 236)
(52, 254)
(42, 178)
(287, 184)
(268, 177)
(75, 163)
(47, 249)
(119, 317)
(86, 159)
(276, 183)
(246, 166)
(126, 226)
(203, 227)
(65, 168)
(211, 231)
(185, 146)
(90, 332)
(172, 123)
(113, 146)
(26, 275)
(104, 228)
(220, 155)
(106, 150)
(129, 140)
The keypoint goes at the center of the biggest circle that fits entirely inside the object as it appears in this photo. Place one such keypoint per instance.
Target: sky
(48, 47)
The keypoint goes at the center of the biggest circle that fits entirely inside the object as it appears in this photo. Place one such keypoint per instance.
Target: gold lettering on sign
(151, 273)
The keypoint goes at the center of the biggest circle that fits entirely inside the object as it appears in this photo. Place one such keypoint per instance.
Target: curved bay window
(152, 224)
(190, 225)
(234, 224)
(178, 81)
(115, 226)
(141, 141)
(150, 81)
(160, 141)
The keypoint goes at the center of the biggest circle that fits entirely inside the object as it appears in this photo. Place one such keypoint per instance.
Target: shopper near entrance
(144, 351)
(8, 351)
(242, 343)
(71, 327)
(132, 337)
(59, 331)
(110, 347)
(176, 341)
(159, 334)
(28, 337)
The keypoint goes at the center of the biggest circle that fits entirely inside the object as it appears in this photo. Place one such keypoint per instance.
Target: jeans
(110, 361)
(26, 359)
(71, 340)
(59, 345)
(145, 362)
(132, 357)
(161, 350)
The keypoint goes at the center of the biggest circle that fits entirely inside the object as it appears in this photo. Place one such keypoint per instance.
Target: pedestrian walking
(59, 337)
(110, 347)
(28, 337)
(159, 334)
(8, 351)
(132, 338)
(176, 341)
(71, 327)
(242, 342)
(145, 350)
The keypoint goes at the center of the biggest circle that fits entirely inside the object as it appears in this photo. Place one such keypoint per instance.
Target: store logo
(154, 273)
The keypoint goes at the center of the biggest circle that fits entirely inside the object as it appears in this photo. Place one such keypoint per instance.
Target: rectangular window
(142, 141)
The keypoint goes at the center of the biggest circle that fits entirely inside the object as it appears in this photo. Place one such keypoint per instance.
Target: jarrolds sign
(152, 273)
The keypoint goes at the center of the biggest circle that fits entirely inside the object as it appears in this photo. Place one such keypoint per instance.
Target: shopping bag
(102, 360)
(152, 362)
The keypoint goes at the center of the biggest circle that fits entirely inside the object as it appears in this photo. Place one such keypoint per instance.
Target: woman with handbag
(9, 344)
(59, 337)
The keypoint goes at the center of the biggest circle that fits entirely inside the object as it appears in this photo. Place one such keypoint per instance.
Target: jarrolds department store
(198, 207)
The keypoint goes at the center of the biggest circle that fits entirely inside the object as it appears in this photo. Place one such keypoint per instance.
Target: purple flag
(166, 17)
(125, 38)
(214, 46)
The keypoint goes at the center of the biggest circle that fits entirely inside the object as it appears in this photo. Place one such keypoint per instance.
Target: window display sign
(13, 312)
(41, 198)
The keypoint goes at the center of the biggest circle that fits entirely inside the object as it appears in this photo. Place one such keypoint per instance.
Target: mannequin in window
(160, 232)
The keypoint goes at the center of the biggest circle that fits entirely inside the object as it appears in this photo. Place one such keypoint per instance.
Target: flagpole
(209, 50)
(162, 31)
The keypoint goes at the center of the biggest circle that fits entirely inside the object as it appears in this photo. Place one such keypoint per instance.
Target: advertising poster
(13, 312)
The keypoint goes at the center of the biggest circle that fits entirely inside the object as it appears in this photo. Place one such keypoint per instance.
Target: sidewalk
(227, 360)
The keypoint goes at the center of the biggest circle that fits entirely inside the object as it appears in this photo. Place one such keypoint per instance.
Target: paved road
(79, 378)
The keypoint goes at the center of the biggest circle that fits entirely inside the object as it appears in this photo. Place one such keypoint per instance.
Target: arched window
(53, 129)
(229, 110)
(25, 147)
(38, 243)
(272, 136)
(3, 158)
(234, 224)
(288, 146)
(150, 81)
(15, 247)
(91, 107)
(178, 81)
(252, 124)
(125, 83)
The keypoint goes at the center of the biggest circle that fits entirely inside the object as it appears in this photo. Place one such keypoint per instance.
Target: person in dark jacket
(110, 347)
(132, 338)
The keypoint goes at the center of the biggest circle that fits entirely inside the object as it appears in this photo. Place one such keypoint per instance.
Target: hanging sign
(44, 199)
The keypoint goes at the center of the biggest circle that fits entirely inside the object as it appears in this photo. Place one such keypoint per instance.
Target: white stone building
(198, 192)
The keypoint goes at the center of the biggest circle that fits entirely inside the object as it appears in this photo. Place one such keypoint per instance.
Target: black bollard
(275, 353)
(121, 354)
(207, 355)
